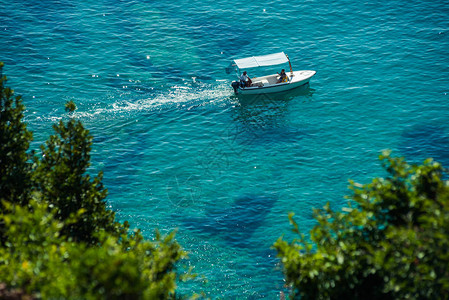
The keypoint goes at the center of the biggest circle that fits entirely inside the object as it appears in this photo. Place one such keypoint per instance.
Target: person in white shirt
(245, 80)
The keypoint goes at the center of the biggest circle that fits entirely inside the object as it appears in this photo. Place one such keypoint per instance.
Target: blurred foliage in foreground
(390, 242)
(58, 240)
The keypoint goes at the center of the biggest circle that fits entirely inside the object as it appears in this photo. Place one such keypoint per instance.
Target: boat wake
(181, 96)
(186, 95)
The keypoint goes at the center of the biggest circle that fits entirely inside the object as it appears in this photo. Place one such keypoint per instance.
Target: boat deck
(264, 81)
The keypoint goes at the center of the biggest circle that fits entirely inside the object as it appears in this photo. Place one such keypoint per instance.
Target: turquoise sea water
(179, 150)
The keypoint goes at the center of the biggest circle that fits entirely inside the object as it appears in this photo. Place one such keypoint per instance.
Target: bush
(14, 142)
(40, 261)
(390, 242)
(58, 239)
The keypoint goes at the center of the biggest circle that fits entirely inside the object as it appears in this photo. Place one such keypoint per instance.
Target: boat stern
(235, 85)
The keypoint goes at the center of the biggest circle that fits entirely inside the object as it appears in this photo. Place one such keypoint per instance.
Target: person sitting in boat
(245, 80)
(282, 76)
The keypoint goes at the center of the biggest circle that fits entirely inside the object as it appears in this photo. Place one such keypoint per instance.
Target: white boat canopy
(261, 61)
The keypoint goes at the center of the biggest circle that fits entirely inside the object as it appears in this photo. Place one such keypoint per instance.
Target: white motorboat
(269, 83)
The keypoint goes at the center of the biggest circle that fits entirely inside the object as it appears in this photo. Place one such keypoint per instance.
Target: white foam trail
(186, 96)
(198, 95)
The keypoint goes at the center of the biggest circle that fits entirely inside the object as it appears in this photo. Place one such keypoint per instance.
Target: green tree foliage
(60, 178)
(38, 259)
(390, 242)
(14, 143)
(59, 240)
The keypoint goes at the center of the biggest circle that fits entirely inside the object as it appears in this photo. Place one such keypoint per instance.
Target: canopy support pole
(290, 64)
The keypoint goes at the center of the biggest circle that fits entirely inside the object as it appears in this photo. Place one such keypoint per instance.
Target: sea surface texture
(180, 151)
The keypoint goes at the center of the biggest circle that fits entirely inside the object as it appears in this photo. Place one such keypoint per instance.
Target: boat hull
(263, 86)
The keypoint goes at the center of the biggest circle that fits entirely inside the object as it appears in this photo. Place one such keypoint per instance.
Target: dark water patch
(424, 141)
(226, 38)
(235, 224)
(125, 82)
(50, 12)
(71, 35)
(141, 61)
(263, 136)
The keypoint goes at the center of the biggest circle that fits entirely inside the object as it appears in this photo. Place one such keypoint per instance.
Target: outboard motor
(235, 85)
